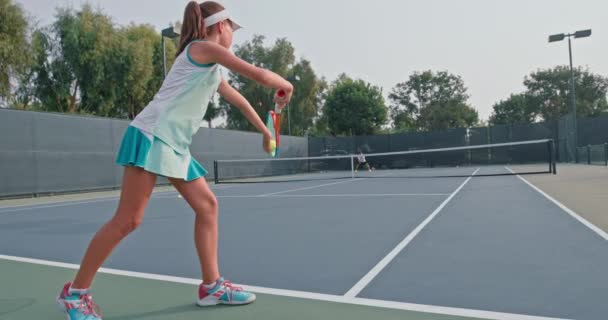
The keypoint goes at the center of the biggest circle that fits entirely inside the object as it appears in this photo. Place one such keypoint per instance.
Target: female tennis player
(157, 144)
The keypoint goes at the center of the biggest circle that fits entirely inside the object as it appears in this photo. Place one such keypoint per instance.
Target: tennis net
(527, 157)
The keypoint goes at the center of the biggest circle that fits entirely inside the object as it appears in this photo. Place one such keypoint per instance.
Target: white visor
(221, 16)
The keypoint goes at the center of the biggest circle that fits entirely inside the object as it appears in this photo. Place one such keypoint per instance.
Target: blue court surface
(490, 247)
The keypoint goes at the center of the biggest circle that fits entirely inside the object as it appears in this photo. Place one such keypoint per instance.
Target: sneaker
(79, 306)
(224, 292)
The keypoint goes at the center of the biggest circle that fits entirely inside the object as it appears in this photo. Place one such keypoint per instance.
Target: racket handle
(277, 108)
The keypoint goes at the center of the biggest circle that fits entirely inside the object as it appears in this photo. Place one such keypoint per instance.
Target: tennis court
(475, 245)
(454, 166)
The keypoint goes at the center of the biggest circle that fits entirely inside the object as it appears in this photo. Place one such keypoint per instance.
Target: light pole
(171, 33)
(560, 37)
(295, 78)
(288, 121)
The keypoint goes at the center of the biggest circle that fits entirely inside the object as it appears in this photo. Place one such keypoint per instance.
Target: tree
(320, 126)
(518, 108)
(547, 97)
(549, 92)
(52, 77)
(354, 107)
(276, 58)
(213, 111)
(135, 69)
(84, 64)
(14, 53)
(307, 98)
(88, 41)
(279, 58)
(451, 114)
(73, 63)
(431, 101)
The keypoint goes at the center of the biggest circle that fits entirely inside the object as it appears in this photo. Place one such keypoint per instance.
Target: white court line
(222, 187)
(163, 195)
(60, 204)
(155, 195)
(490, 315)
(321, 185)
(569, 211)
(307, 188)
(361, 284)
(363, 195)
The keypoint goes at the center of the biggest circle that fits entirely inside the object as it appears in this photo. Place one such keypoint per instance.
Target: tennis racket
(273, 123)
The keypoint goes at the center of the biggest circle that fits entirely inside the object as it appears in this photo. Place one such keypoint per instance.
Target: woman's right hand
(283, 96)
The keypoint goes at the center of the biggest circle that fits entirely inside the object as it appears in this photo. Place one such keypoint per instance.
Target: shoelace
(88, 307)
(231, 288)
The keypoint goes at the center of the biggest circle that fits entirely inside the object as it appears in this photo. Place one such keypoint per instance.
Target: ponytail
(193, 26)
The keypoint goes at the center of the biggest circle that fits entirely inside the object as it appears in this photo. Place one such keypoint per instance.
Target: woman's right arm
(209, 52)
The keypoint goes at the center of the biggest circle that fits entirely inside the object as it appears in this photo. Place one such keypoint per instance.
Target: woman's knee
(125, 224)
(207, 207)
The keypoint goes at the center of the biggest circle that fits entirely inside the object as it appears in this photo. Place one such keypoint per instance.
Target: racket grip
(277, 108)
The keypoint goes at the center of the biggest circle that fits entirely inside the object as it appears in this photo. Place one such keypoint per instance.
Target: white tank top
(177, 110)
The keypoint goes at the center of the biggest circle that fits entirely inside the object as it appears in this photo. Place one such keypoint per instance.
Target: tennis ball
(273, 145)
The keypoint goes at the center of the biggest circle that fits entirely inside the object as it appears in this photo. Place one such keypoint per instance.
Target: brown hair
(193, 26)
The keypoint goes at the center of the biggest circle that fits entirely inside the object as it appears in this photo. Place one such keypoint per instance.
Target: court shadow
(170, 311)
(8, 306)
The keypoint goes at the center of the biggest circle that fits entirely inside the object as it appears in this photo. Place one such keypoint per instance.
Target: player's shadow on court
(187, 310)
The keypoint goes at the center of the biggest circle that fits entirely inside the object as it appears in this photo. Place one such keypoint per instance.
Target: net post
(216, 177)
(352, 167)
(550, 155)
(606, 154)
(551, 149)
(554, 156)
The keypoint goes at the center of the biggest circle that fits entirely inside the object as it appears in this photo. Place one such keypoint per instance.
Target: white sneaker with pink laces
(224, 292)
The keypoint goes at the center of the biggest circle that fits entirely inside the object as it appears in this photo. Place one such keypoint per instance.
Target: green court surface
(123, 298)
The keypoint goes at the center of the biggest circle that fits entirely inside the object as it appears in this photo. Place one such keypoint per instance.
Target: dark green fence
(591, 131)
(593, 154)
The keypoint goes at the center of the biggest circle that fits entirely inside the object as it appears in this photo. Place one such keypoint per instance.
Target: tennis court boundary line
(306, 188)
(160, 195)
(317, 186)
(569, 211)
(65, 203)
(373, 273)
(345, 195)
(450, 311)
(171, 194)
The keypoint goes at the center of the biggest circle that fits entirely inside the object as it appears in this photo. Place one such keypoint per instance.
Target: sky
(491, 44)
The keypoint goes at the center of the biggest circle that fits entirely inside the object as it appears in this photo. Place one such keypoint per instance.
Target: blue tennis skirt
(139, 149)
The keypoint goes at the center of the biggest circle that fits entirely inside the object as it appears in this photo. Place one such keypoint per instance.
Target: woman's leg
(137, 185)
(204, 203)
